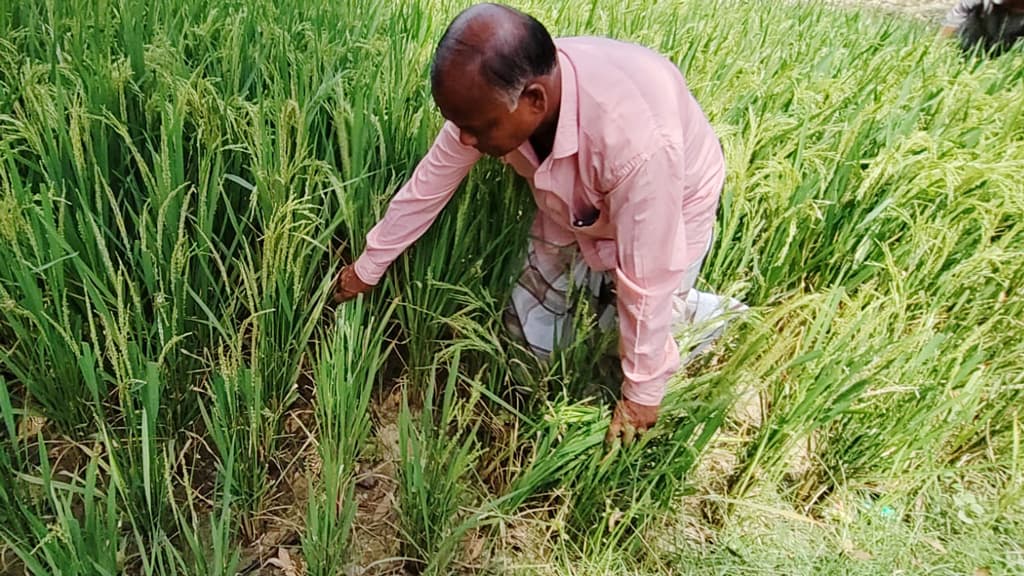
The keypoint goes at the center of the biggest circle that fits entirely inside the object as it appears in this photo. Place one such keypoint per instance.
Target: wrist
(648, 395)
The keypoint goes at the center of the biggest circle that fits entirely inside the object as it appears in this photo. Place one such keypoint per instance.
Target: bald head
(505, 47)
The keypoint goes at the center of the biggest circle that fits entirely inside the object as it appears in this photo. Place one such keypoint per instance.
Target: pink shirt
(633, 148)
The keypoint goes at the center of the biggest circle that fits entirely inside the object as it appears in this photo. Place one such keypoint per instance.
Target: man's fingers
(342, 297)
(342, 291)
(337, 292)
(614, 428)
(628, 435)
(348, 285)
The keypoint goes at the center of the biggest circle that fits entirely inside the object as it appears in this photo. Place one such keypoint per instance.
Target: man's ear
(535, 96)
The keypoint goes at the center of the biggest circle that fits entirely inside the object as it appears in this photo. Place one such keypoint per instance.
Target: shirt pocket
(588, 212)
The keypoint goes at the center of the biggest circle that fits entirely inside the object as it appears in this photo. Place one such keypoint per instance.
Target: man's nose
(467, 139)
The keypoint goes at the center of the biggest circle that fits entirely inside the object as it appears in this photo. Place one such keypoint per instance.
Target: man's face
(482, 116)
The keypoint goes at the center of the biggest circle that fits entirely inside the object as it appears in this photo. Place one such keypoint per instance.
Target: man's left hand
(629, 420)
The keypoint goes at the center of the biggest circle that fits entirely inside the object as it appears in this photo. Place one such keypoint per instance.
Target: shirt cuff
(367, 271)
(649, 390)
(648, 394)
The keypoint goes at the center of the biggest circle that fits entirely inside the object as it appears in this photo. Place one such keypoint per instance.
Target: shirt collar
(567, 133)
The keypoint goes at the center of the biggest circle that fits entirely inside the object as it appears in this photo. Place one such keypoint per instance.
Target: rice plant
(348, 366)
(438, 450)
(180, 180)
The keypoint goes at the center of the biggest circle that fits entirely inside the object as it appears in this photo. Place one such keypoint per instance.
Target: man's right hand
(348, 285)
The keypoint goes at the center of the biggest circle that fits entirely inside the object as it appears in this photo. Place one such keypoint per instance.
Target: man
(624, 167)
(995, 25)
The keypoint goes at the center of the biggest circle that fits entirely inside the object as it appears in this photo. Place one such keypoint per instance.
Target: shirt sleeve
(417, 203)
(957, 15)
(646, 208)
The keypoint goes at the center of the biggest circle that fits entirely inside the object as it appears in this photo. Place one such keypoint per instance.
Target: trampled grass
(180, 180)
